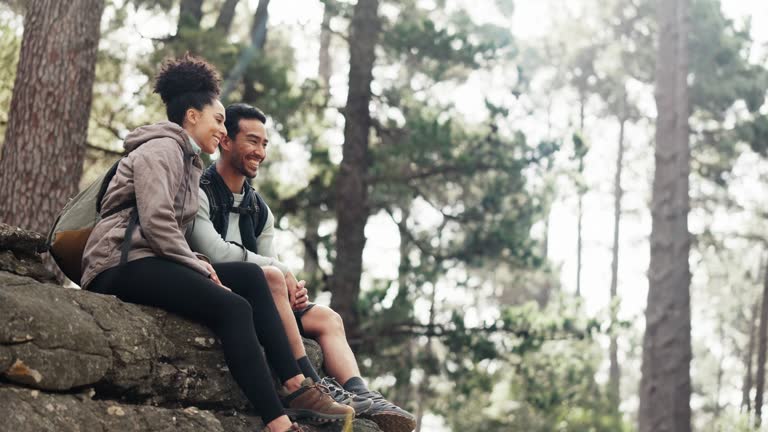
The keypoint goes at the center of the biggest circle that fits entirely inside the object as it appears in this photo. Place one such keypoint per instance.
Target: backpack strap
(260, 216)
(133, 222)
(105, 184)
(133, 218)
(122, 206)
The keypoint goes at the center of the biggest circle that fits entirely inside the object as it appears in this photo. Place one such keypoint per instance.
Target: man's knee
(331, 320)
(275, 280)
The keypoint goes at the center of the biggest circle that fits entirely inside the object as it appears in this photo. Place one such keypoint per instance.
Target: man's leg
(279, 291)
(326, 327)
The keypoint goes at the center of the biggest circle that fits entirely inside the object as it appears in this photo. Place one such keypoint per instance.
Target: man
(235, 224)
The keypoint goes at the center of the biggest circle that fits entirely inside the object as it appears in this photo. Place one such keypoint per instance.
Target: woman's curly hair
(186, 82)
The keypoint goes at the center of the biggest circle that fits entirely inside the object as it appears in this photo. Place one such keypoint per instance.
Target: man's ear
(225, 143)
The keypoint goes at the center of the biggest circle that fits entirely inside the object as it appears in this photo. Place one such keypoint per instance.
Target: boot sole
(391, 422)
(314, 417)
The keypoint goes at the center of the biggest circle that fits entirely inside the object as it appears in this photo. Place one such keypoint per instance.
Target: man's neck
(231, 177)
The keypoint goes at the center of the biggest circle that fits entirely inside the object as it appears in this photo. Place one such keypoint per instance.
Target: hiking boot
(313, 403)
(295, 427)
(358, 403)
(387, 415)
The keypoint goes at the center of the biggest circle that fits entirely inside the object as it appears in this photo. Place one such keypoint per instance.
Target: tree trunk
(45, 141)
(226, 16)
(429, 354)
(239, 72)
(325, 69)
(762, 340)
(311, 243)
(403, 389)
(665, 387)
(580, 216)
(614, 385)
(259, 24)
(746, 403)
(313, 214)
(351, 185)
(720, 370)
(190, 14)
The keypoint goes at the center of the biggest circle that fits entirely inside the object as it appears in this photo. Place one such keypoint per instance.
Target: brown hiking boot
(294, 428)
(313, 403)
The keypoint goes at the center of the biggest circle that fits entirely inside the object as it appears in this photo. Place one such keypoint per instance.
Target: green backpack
(72, 227)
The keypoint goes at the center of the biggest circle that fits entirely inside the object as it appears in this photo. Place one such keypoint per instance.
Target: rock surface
(33, 410)
(19, 240)
(19, 253)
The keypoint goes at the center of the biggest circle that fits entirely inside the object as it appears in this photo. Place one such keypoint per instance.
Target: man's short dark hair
(239, 111)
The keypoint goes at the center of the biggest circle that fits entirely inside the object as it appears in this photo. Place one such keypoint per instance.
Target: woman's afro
(187, 74)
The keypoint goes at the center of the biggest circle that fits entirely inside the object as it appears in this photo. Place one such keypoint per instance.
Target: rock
(67, 338)
(25, 266)
(18, 240)
(52, 343)
(20, 253)
(236, 422)
(24, 410)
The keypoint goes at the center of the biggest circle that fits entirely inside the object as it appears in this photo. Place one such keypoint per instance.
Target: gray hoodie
(162, 171)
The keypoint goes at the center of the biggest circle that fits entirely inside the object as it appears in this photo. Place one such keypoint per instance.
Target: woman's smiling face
(206, 126)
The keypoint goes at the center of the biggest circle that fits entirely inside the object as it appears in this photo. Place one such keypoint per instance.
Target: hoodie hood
(164, 129)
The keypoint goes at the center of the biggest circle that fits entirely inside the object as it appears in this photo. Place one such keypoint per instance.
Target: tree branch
(103, 150)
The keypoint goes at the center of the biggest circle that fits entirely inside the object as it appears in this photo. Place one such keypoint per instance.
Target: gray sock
(355, 385)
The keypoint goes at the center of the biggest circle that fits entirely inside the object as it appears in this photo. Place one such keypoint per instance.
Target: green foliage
(755, 133)
(723, 77)
(442, 46)
(533, 371)
(722, 73)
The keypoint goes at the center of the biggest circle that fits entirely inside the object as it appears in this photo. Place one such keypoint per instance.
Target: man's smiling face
(249, 148)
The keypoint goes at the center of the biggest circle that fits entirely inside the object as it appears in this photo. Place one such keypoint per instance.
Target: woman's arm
(158, 173)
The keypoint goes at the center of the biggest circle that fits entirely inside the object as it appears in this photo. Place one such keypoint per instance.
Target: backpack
(217, 192)
(72, 227)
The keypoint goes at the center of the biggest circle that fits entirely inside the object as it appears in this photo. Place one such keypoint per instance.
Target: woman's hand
(214, 277)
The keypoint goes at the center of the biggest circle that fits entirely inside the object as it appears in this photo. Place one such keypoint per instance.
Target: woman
(140, 255)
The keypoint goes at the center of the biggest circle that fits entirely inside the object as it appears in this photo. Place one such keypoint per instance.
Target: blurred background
(494, 269)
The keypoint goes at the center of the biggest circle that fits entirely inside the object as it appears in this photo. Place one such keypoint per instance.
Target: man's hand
(214, 276)
(297, 293)
(302, 297)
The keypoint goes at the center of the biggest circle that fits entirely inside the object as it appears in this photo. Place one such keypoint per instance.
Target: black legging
(240, 319)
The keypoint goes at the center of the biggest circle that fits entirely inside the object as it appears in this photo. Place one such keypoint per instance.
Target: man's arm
(205, 239)
(265, 244)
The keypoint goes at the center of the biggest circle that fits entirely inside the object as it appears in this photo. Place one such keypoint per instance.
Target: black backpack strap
(205, 185)
(105, 184)
(133, 218)
(133, 222)
(103, 190)
(260, 216)
(128, 204)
